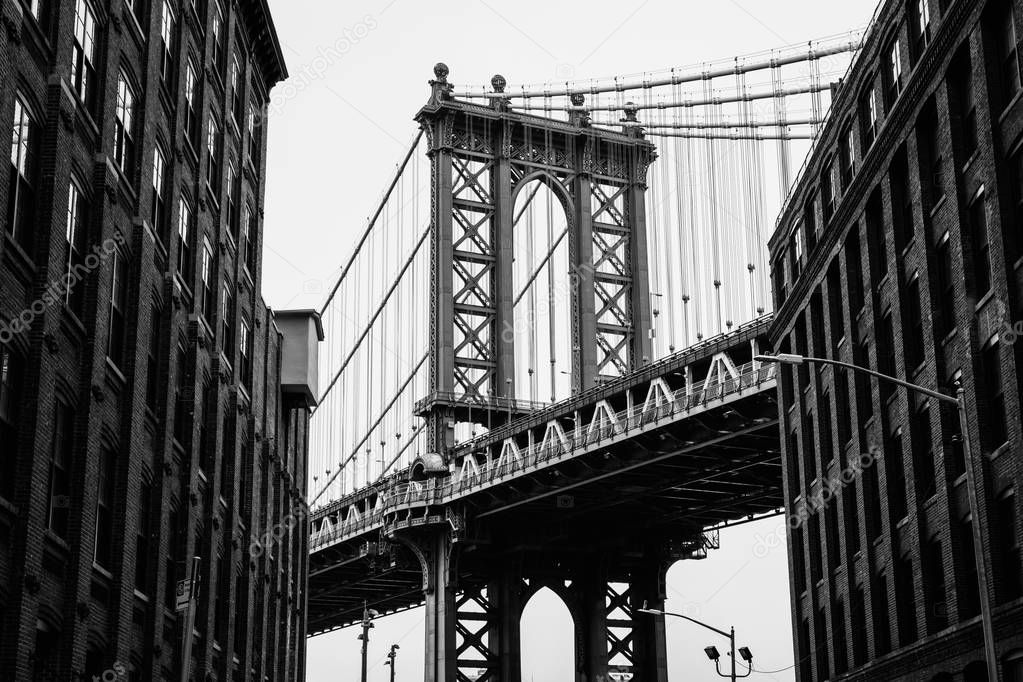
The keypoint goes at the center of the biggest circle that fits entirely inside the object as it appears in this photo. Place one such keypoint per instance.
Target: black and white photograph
(529, 341)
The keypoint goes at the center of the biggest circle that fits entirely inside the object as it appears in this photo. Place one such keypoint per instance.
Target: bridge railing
(411, 494)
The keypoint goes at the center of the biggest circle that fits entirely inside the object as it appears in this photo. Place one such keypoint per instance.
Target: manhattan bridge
(540, 370)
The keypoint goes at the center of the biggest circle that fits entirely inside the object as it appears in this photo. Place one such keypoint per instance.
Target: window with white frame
(83, 58)
(21, 197)
(124, 127)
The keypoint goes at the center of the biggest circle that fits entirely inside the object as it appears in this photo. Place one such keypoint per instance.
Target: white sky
(337, 129)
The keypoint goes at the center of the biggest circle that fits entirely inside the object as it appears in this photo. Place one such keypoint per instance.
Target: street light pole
(367, 625)
(712, 652)
(390, 659)
(959, 400)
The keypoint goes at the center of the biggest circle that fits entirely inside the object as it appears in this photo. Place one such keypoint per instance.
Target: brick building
(900, 249)
(152, 408)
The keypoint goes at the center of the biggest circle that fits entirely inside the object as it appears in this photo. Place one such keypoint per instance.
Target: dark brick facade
(146, 424)
(914, 269)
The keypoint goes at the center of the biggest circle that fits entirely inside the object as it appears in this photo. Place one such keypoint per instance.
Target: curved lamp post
(711, 651)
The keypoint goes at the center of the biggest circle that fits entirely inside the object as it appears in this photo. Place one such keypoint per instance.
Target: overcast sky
(359, 72)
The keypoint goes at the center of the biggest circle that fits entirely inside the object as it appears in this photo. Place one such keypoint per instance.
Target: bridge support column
(591, 631)
(650, 655)
(441, 651)
(506, 642)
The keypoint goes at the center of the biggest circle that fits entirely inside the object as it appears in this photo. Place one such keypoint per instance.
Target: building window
(191, 104)
(995, 431)
(174, 553)
(945, 305)
(1012, 667)
(138, 10)
(209, 291)
(854, 271)
(124, 128)
(886, 355)
(61, 455)
(905, 607)
(117, 339)
(1008, 57)
(185, 241)
(968, 587)
(934, 586)
(182, 400)
(245, 352)
(255, 135)
(895, 472)
(868, 118)
(923, 455)
(1007, 547)
(40, 11)
(894, 73)
(74, 254)
(10, 399)
(847, 157)
(913, 327)
(83, 70)
(237, 97)
(902, 201)
(796, 253)
(872, 503)
(963, 75)
(21, 196)
(227, 322)
(213, 149)
(231, 201)
(827, 196)
(153, 367)
(979, 246)
(251, 238)
(159, 195)
(105, 485)
(931, 160)
(921, 27)
(245, 360)
(882, 622)
(167, 56)
(217, 31)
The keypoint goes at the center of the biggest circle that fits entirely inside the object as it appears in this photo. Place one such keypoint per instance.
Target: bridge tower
(481, 158)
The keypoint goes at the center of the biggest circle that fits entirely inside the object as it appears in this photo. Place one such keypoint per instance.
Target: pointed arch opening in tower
(543, 291)
(548, 639)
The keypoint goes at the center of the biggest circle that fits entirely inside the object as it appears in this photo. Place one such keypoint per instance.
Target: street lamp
(959, 400)
(390, 659)
(368, 615)
(712, 651)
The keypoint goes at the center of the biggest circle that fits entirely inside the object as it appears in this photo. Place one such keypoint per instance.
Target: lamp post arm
(883, 377)
(693, 620)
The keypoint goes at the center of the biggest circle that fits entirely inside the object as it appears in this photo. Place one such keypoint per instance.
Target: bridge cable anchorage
(376, 314)
(372, 221)
(369, 429)
(851, 45)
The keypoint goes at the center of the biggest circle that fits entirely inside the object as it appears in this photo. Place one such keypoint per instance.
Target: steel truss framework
(481, 159)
